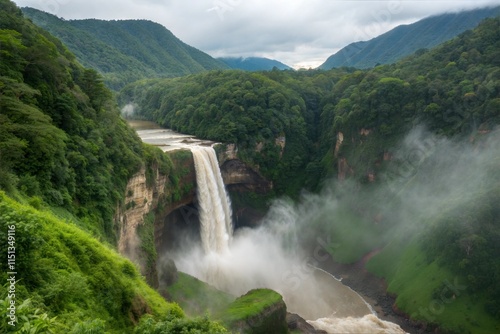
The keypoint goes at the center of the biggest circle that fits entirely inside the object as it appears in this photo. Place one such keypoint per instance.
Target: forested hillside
(404, 40)
(125, 51)
(65, 158)
(354, 125)
(453, 90)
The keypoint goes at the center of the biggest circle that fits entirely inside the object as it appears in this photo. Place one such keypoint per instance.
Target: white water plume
(267, 257)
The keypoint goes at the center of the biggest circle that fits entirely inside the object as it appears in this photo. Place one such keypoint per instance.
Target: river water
(256, 258)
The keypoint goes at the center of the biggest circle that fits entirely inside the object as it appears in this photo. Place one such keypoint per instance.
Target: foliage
(250, 313)
(251, 304)
(197, 298)
(148, 325)
(66, 279)
(61, 135)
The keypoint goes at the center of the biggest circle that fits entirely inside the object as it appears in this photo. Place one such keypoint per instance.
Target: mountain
(125, 51)
(407, 39)
(253, 63)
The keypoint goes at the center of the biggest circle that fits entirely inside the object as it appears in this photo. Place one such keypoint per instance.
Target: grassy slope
(67, 274)
(429, 292)
(198, 298)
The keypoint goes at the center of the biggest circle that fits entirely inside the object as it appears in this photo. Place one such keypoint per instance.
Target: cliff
(237, 175)
(140, 200)
(150, 197)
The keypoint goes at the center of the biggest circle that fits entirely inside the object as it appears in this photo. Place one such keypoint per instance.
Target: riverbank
(373, 289)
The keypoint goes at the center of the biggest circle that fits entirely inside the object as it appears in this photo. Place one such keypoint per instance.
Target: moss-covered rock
(258, 311)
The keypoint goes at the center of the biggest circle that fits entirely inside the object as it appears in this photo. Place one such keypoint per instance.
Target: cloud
(294, 32)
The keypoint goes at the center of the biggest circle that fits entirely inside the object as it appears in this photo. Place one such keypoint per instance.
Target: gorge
(266, 256)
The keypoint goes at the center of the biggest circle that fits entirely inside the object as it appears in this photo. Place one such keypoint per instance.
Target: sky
(299, 33)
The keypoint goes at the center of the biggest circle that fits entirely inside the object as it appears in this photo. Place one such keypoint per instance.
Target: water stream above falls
(260, 257)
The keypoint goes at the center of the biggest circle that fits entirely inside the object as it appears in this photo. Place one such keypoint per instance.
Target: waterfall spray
(215, 207)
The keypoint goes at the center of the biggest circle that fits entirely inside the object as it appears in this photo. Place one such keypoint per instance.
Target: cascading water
(214, 205)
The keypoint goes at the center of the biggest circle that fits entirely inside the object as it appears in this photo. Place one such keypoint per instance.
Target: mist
(427, 175)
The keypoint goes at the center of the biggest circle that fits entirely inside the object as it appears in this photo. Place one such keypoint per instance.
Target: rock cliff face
(156, 198)
(238, 176)
(140, 200)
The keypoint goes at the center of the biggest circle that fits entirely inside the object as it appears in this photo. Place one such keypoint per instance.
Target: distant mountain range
(406, 39)
(126, 51)
(254, 63)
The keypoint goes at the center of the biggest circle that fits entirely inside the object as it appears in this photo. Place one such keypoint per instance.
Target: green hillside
(125, 51)
(404, 40)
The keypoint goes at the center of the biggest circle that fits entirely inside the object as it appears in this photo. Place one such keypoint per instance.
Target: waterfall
(216, 225)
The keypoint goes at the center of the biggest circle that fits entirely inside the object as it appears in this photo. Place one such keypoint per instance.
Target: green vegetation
(181, 182)
(432, 293)
(68, 281)
(149, 325)
(126, 51)
(251, 304)
(197, 298)
(61, 135)
(247, 313)
(404, 40)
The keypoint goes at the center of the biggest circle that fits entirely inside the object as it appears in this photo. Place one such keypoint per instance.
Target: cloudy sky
(300, 33)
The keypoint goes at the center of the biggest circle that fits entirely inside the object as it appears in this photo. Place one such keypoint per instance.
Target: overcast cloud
(299, 33)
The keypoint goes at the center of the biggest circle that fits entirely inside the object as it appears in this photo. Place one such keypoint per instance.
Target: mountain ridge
(393, 45)
(254, 63)
(124, 51)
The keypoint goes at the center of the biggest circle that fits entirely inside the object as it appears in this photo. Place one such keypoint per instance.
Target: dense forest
(351, 123)
(127, 50)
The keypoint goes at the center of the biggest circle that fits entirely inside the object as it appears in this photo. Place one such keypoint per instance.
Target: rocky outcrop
(239, 177)
(296, 324)
(344, 169)
(260, 311)
(338, 144)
